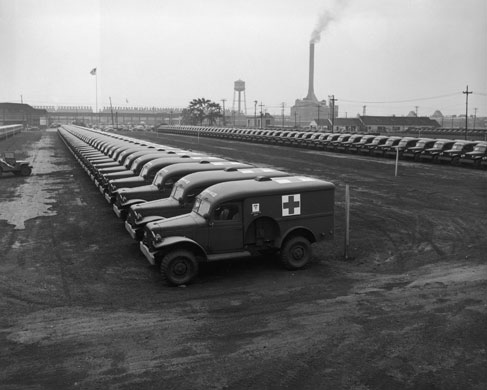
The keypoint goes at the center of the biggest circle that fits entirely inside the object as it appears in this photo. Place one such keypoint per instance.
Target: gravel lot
(82, 308)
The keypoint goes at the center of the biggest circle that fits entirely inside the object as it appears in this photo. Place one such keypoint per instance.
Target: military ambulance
(241, 219)
(164, 182)
(183, 195)
(148, 173)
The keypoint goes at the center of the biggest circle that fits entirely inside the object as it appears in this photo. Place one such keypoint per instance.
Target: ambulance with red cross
(237, 219)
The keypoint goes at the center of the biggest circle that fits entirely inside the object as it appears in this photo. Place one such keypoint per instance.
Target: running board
(227, 256)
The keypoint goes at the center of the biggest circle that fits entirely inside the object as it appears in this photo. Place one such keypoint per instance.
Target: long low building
(20, 113)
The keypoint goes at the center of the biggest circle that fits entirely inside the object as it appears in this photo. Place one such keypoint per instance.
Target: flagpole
(96, 96)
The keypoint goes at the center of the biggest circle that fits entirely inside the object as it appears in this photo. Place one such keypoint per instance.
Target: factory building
(19, 113)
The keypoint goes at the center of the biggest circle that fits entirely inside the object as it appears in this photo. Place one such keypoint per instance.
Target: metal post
(397, 160)
(347, 222)
(467, 92)
(282, 113)
(255, 114)
(223, 101)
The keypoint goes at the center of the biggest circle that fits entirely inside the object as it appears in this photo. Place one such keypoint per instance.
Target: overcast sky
(390, 55)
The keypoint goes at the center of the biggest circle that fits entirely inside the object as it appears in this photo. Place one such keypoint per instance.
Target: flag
(93, 71)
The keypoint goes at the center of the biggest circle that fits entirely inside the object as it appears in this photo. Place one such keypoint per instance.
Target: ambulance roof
(207, 178)
(270, 186)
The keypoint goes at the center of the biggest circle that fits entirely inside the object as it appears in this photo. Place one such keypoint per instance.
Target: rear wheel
(296, 253)
(179, 267)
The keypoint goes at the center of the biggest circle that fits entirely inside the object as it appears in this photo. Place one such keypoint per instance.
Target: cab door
(226, 232)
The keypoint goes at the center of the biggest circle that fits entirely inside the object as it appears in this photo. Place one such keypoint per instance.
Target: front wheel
(179, 267)
(25, 170)
(296, 253)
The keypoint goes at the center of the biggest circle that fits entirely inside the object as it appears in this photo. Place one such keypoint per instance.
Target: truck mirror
(181, 201)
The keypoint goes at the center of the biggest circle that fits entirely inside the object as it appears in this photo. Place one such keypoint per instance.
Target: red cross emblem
(291, 205)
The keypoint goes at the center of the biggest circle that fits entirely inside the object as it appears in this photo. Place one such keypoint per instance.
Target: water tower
(238, 88)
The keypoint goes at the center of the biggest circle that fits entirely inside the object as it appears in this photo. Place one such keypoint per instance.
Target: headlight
(462, 156)
(137, 215)
(156, 236)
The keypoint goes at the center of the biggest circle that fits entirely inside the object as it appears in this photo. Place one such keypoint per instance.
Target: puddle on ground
(36, 195)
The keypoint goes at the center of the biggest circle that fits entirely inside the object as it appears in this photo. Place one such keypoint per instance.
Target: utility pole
(416, 107)
(111, 110)
(21, 99)
(474, 117)
(364, 110)
(282, 114)
(333, 100)
(261, 115)
(223, 101)
(255, 114)
(467, 92)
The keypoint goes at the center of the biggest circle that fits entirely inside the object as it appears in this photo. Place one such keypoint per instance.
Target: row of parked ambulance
(436, 150)
(185, 207)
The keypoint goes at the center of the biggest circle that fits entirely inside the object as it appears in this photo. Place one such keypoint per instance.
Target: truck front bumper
(109, 198)
(133, 232)
(150, 256)
(119, 212)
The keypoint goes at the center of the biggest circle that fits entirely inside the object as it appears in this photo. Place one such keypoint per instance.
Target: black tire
(178, 267)
(25, 170)
(295, 253)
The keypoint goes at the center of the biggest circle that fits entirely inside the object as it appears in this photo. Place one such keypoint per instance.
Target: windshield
(144, 171)
(457, 147)
(158, 178)
(376, 141)
(390, 142)
(177, 192)
(201, 206)
(480, 148)
(439, 145)
(421, 144)
(403, 143)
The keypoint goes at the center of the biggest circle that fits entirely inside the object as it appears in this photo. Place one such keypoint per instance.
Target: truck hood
(128, 182)
(181, 225)
(141, 192)
(155, 207)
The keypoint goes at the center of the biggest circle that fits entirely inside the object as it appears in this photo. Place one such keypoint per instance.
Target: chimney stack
(311, 93)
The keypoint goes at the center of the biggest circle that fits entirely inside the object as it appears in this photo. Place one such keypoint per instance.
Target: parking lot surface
(82, 308)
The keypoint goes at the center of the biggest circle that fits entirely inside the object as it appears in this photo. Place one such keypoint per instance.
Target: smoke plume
(326, 17)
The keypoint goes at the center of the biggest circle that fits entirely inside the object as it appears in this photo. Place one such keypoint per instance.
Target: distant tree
(187, 119)
(201, 109)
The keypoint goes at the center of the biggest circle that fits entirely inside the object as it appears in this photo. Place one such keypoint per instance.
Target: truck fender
(180, 241)
(131, 202)
(296, 230)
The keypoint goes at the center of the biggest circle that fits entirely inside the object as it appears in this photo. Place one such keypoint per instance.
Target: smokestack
(311, 93)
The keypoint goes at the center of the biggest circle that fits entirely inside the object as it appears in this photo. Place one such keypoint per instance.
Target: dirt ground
(81, 308)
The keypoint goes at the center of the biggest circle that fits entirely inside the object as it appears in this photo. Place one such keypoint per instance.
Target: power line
(401, 101)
